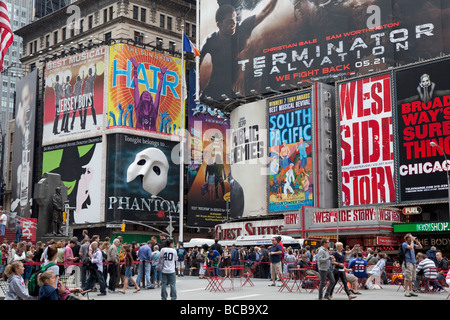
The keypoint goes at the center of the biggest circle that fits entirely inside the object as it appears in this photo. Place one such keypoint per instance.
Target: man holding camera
(409, 265)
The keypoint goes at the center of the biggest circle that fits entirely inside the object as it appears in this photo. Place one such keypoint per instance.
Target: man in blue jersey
(359, 268)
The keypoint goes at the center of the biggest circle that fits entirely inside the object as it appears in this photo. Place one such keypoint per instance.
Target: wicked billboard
(144, 90)
(142, 183)
(80, 165)
(208, 170)
(266, 45)
(73, 101)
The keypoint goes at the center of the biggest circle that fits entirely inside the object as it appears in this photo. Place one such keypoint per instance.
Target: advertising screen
(366, 141)
(73, 100)
(143, 182)
(80, 165)
(423, 118)
(144, 90)
(208, 187)
(290, 152)
(23, 148)
(266, 45)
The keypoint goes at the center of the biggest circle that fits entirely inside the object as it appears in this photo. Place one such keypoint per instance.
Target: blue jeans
(148, 267)
(168, 279)
(156, 275)
(2, 230)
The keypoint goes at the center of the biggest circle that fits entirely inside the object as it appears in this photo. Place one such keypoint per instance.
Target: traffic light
(122, 227)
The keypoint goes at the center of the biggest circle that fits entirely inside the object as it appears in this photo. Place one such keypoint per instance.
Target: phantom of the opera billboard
(144, 90)
(423, 113)
(263, 45)
(209, 167)
(23, 148)
(80, 165)
(365, 139)
(73, 100)
(143, 180)
(290, 151)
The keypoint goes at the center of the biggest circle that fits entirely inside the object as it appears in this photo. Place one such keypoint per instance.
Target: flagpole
(180, 237)
(197, 59)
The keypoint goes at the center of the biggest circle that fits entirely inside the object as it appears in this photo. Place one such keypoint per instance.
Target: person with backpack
(16, 285)
(407, 250)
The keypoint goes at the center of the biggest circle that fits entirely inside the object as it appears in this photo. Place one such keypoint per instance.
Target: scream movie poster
(143, 183)
(144, 90)
(266, 45)
(423, 117)
(209, 167)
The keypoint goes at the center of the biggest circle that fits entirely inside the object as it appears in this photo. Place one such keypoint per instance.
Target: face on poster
(144, 90)
(23, 149)
(265, 44)
(290, 152)
(366, 140)
(74, 89)
(80, 165)
(208, 168)
(423, 117)
(142, 182)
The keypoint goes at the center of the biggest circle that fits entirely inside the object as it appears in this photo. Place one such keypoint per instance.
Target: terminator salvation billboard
(143, 183)
(366, 141)
(423, 113)
(144, 90)
(74, 89)
(264, 44)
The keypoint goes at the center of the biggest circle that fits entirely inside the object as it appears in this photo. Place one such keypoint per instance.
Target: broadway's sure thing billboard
(144, 90)
(207, 172)
(23, 149)
(290, 151)
(248, 157)
(73, 101)
(365, 137)
(265, 44)
(423, 113)
(143, 182)
(80, 165)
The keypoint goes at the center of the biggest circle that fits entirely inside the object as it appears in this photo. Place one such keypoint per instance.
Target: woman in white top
(375, 273)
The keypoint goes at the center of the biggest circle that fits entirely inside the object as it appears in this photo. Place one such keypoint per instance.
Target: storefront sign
(291, 219)
(439, 226)
(412, 210)
(356, 215)
(387, 241)
(230, 231)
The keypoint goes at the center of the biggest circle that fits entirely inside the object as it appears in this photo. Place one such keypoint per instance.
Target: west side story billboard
(365, 141)
(23, 149)
(73, 98)
(265, 44)
(423, 117)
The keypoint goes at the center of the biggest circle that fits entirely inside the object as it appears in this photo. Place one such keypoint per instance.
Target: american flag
(6, 34)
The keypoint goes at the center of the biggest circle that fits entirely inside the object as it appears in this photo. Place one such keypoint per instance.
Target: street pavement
(193, 288)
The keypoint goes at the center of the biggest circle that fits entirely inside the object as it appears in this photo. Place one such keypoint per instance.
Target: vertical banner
(290, 152)
(143, 182)
(144, 90)
(248, 153)
(23, 149)
(80, 165)
(423, 117)
(366, 141)
(73, 99)
(208, 170)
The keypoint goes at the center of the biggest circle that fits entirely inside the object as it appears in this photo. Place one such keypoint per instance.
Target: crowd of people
(115, 266)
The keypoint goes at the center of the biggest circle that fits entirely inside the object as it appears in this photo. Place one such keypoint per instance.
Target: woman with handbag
(128, 275)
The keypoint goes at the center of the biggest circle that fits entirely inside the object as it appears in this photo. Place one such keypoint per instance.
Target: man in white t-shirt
(3, 221)
(166, 264)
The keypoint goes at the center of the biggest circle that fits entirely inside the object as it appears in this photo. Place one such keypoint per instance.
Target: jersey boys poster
(423, 117)
(74, 90)
(80, 165)
(366, 141)
(144, 90)
(264, 44)
(143, 183)
(207, 172)
(290, 152)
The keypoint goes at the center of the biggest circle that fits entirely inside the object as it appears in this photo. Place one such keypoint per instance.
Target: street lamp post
(434, 144)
